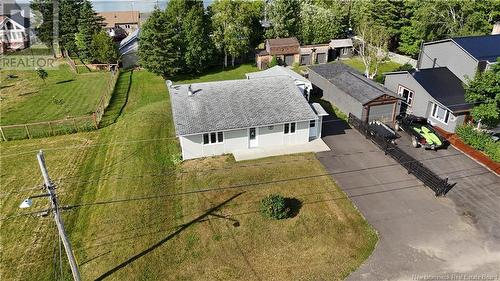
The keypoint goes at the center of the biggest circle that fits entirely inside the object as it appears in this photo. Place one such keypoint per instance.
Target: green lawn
(28, 99)
(216, 74)
(357, 63)
(139, 214)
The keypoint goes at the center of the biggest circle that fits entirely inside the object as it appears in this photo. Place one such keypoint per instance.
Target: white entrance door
(252, 137)
(313, 129)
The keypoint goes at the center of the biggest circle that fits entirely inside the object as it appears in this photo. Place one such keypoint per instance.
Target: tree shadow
(167, 238)
(294, 205)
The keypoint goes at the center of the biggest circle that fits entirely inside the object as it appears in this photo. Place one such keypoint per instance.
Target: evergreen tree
(176, 13)
(45, 31)
(285, 18)
(198, 47)
(158, 49)
(88, 25)
(69, 14)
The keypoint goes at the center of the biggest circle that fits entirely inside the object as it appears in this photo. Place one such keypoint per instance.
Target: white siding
(193, 147)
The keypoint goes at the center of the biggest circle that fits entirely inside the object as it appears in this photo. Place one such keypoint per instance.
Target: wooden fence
(62, 126)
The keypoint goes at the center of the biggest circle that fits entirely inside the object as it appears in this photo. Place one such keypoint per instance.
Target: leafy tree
(198, 47)
(484, 90)
(285, 18)
(232, 27)
(103, 49)
(434, 20)
(88, 25)
(42, 74)
(158, 49)
(372, 47)
(318, 24)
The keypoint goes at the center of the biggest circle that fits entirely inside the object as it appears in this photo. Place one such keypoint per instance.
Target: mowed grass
(357, 64)
(135, 213)
(27, 99)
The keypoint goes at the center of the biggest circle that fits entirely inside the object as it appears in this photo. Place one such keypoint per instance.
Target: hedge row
(480, 141)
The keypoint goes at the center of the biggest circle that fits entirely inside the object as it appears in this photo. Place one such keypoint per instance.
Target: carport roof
(236, 104)
(352, 82)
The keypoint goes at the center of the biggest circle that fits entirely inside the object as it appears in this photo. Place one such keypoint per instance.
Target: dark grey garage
(353, 93)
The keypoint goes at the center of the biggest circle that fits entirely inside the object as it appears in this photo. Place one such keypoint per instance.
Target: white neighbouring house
(223, 117)
(15, 32)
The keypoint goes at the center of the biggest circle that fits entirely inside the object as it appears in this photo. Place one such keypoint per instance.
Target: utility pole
(51, 193)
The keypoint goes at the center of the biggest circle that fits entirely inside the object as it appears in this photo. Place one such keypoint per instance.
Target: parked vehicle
(420, 131)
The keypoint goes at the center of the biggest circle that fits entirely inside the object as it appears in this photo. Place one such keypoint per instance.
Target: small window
(440, 113)
(312, 123)
(211, 138)
(289, 128)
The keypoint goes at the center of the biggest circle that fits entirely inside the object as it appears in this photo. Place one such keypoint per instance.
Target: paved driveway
(419, 235)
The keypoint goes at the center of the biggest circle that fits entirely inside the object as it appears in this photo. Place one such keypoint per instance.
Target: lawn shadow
(27, 94)
(65, 81)
(294, 205)
(167, 238)
(6, 86)
(118, 100)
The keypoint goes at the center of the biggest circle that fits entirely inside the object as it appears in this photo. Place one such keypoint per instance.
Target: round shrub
(274, 207)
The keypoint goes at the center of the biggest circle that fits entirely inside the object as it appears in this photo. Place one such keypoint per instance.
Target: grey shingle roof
(226, 105)
(352, 82)
(278, 71)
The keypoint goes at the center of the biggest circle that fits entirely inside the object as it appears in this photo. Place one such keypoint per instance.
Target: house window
(211, 138)
(440, 113)
(406, 94)
(312, 123)
(289, 128)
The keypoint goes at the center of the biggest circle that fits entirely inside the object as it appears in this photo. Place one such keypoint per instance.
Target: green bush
(480, 141)
(274, 62)
(274, 207)
(492, 149)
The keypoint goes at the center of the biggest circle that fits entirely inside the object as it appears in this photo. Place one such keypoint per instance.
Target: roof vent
(190, 91)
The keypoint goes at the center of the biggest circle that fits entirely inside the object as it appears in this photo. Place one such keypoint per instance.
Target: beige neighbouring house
(121, 24)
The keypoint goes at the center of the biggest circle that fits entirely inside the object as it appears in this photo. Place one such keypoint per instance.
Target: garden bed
(477, 155)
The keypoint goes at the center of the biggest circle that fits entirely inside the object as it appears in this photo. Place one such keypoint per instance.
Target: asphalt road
(420, 235)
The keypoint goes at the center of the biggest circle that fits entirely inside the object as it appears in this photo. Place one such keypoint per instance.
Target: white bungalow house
(216, 118)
